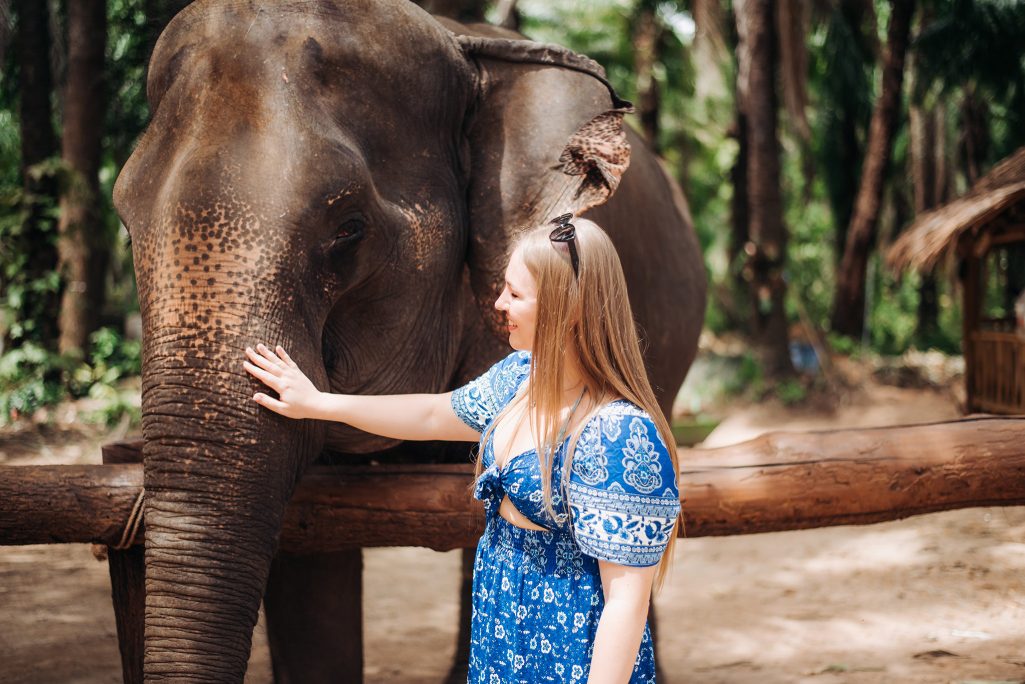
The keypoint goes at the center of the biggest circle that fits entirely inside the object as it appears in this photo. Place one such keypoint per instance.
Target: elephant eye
(349, 233)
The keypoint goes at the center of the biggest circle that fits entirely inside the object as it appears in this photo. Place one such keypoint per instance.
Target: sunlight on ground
(894, 602)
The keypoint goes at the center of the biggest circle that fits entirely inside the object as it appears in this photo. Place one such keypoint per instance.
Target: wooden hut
(982, 233)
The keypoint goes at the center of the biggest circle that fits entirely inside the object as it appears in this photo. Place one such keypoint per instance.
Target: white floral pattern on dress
(589, 461)
(641, 461)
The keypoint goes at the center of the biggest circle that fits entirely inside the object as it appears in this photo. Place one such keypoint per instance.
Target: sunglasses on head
(565, 231)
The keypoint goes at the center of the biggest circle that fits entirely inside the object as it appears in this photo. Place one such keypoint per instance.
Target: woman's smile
(518, 303)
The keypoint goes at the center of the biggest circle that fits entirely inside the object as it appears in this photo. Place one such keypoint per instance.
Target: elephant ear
(599, 153)
(546, 137)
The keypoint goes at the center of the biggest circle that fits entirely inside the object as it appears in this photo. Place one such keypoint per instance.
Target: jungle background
(806, 135)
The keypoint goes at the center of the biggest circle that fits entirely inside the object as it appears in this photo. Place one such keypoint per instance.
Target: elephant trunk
(219, 471)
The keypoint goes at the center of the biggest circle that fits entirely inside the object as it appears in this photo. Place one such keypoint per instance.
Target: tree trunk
(739, 223)
(645, 47)
(851, 27)
(929, 178)
(924, 141)
(83, 242)
(849, 302)
(36, 83)
(506, 15)
(974, 129)
(709, 51)
(767, 247)
(37, 240)
(848, 160)
(792, 26)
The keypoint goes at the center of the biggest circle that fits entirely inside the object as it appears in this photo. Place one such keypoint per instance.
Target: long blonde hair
(591, 314)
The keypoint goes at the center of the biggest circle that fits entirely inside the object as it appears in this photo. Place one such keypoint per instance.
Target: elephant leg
(461, 661)
(128, 591)
(314, 610)
(653, 626)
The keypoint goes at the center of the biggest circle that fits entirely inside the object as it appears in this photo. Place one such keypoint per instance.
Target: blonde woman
(578, 484)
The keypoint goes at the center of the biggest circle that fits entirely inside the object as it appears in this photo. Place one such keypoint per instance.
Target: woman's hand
(297, 396)
(398, 416)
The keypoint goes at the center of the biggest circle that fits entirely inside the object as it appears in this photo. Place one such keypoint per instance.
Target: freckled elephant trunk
(218, 473)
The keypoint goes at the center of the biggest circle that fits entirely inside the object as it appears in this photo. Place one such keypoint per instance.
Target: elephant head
(342, 178)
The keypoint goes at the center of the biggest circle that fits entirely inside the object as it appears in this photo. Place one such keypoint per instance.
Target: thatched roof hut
(977, 218)
(979, 230)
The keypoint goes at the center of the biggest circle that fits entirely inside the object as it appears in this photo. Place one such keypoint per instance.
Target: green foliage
(113, 357)
(747, 378)
(841, 344)
(28, 223)
(791, 391)
(841, 62)
(32, 377)
(979, 43)
(116, 406)
(892, 318)
(127, 54)
(131, 37)
(965, 44)
(811, 252)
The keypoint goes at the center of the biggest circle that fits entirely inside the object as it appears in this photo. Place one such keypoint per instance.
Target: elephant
(345, 178)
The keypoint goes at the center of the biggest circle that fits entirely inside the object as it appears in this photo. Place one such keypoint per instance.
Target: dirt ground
(931, 599)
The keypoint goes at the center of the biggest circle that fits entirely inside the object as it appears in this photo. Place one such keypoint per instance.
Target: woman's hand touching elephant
(399, 416)
(297, 396)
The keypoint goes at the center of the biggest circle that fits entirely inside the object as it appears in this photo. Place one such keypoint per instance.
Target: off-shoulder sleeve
(480, 400)
(623, 490)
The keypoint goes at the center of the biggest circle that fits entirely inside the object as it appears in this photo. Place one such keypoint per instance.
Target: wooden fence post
(128, 585)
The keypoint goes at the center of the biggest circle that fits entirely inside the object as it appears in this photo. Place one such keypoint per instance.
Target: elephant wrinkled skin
(344, 178)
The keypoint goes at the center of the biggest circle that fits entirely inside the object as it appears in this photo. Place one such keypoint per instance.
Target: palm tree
(975, 52)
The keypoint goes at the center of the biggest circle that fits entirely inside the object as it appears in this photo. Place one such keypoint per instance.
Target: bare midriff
(512, 515)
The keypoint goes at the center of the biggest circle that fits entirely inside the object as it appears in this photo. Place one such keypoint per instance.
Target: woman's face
(518, 302)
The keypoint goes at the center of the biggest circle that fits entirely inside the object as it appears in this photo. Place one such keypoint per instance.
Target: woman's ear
(546, 137)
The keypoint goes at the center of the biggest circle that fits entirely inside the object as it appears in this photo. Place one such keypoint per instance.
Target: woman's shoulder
(504, 378)
(480, 400)
(518, 359)
(620, 408)
(621, 414)
(509, 372)
(622, 444)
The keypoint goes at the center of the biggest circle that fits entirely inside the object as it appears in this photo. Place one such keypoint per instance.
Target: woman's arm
(400, 416)
(627, 594)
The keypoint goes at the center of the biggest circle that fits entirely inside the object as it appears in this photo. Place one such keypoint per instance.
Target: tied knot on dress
(488, 487)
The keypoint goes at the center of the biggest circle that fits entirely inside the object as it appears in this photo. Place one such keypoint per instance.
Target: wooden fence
(996, 374)
(779, 481)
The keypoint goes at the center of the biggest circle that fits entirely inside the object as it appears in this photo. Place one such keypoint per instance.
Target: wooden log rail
(779, 481)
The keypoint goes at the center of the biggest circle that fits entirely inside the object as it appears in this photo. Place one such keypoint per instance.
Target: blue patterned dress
(537, 595)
